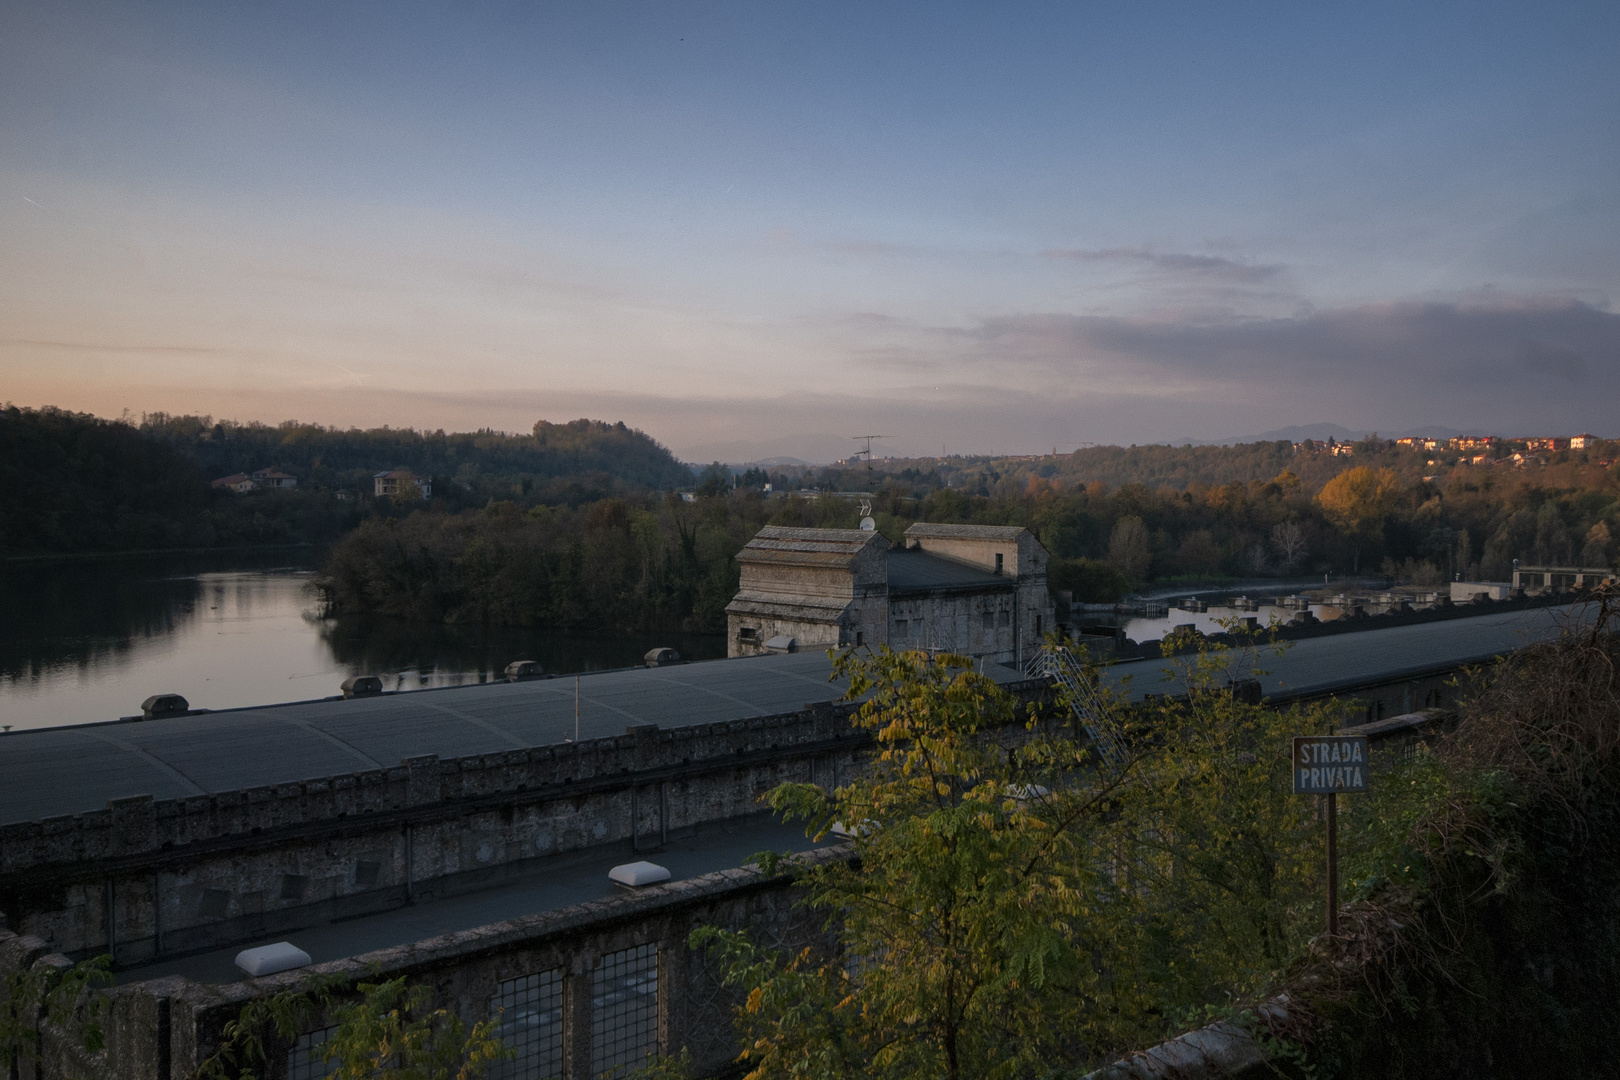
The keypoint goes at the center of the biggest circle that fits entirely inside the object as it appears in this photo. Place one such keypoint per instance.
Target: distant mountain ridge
(1322, 433)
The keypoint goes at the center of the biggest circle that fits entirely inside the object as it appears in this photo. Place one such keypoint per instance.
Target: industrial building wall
(586, 990)
(209, 871)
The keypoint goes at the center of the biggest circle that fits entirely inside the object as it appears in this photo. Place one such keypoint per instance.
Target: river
(90, 639)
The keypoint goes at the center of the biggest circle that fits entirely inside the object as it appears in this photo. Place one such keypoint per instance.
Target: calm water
(90, 640)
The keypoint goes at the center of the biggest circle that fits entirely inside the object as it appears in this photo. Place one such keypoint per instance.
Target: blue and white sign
(1324, 764)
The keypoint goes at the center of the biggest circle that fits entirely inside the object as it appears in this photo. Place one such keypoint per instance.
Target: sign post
(1326, 765)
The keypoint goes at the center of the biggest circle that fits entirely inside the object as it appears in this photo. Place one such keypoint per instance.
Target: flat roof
(1335, 662)
(72, 769)
(920, 571)
(68, 770)
(554, 882)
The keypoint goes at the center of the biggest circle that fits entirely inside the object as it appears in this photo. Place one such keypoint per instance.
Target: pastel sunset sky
(760, 228)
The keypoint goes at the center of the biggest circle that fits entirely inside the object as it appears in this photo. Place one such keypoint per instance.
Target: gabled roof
(777, 546)
(967, 532)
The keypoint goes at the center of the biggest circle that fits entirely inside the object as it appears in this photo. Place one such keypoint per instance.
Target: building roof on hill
(967, 532)
(808, 547)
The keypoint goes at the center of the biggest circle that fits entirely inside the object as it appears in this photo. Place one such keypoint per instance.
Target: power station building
(976, 590)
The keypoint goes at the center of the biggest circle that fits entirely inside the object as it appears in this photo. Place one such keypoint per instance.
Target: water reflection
(89, 640)
(417, 656)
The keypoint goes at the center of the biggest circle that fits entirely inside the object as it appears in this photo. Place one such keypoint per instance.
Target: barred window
(304, 1059)
(531, 1011)
(624, 1013)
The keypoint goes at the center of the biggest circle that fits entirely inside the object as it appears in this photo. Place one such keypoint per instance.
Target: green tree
(1128, 547)
(1018, 902)
(388, 1032)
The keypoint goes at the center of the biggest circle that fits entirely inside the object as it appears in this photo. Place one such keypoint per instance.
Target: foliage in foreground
(1021, 903)
(388, 1031)
(1484, 936)
(67, 998)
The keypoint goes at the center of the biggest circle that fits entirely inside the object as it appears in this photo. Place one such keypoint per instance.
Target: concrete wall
(165, 1028)
(187, 874)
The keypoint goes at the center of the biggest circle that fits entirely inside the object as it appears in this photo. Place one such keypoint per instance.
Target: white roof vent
(782, 643)
(269, 959)
(637, 874)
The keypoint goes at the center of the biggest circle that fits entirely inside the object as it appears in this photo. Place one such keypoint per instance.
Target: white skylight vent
(637, 874)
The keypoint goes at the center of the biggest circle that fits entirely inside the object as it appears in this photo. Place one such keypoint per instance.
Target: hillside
(608, 455)
(72, 482)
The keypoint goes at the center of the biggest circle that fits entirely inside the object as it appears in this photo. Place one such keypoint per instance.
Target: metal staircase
(1057, 663)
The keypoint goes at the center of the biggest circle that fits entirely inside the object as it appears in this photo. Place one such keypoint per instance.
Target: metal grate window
(624, 1011)
(304, 1059)
(531, 1010)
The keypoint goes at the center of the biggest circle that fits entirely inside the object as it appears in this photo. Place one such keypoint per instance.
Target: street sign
(1326, 764)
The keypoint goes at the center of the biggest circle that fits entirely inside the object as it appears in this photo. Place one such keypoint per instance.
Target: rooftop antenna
(868, 450)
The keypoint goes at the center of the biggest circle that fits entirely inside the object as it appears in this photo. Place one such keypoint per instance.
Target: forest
(595, 525)
(74, 483)
(659, 560)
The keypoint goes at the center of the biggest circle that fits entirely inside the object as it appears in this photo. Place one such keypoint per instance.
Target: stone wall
(165, 1028)
(194, 873)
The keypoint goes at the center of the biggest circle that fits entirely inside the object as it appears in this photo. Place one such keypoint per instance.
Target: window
(900, 628)
(304, 1059)
(998, 562)
(624, 1011)
(1038, 630)
(860, 637)
(1004, 619)
(989, 621)
(748, 633)
(531, 1012)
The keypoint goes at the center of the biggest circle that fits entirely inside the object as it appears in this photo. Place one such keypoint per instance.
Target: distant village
(394, 483)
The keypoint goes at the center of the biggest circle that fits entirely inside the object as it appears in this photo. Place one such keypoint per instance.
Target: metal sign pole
(1326, 765)
(1332, 798)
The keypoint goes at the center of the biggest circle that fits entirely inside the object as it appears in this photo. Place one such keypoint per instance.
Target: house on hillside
(237, 482)
(975, 590)
(270, 478)
(1582, 442)
(387, 484)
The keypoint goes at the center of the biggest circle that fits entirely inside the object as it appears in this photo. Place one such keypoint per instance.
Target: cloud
(1206, 267)
(1405, 344)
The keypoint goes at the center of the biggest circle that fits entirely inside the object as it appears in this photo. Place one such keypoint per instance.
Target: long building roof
(67, 770)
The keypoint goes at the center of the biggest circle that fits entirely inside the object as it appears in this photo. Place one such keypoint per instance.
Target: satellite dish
(868, 525)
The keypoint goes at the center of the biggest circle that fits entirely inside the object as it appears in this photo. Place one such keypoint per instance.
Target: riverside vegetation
(577, 525)
(648, 560)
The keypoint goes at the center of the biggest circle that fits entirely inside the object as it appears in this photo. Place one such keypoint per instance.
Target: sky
(761, 229)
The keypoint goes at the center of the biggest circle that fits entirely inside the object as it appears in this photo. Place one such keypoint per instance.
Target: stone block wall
(165, 1028)
(193, 873)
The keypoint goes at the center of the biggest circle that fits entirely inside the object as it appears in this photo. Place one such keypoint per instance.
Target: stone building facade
(977, 590)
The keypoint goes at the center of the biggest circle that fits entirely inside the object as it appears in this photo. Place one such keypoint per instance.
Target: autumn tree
(1018, 901)
(1360, 500)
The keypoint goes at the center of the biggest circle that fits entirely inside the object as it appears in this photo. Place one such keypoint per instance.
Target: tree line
(72, 482)
(654, 561)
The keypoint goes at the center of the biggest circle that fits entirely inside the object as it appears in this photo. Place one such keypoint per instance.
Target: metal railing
(1057, 663)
